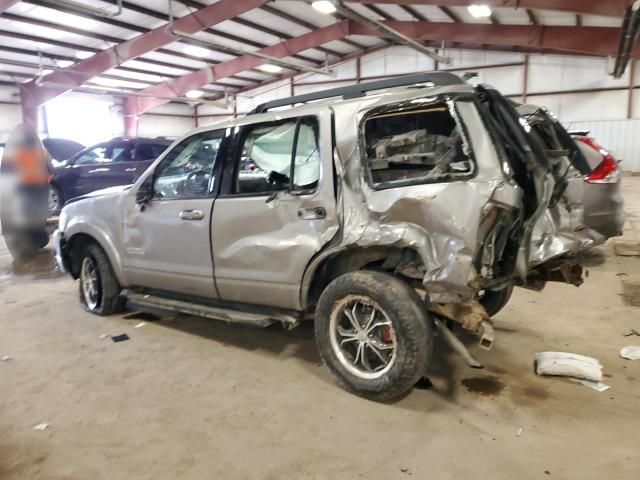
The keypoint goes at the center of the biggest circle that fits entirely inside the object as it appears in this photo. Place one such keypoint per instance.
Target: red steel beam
(613, 8)
(599, 41)
(181, 85)
(35, 95)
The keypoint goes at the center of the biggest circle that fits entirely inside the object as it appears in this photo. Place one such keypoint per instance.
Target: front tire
(98, 287)
(373, 334)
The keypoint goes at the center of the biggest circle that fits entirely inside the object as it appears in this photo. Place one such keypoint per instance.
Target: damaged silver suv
(379, 210)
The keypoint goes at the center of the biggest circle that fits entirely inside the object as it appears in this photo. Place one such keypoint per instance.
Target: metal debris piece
(597, 386)
(42, 426)
(633, 331)
(568, 365)
(120, 338)
(139, 325)
(631, 352)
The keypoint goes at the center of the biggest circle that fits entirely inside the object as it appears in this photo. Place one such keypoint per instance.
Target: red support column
(632, 81)
(130, 114)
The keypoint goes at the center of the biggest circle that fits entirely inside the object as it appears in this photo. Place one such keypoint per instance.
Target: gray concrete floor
(192, 398)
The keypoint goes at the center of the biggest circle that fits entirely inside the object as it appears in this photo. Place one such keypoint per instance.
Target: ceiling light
(46, 71)
(82, 55)
(324, 6)
(479, 11)
(195, 51)
(64, 63)
(270, 68)
(193, 94)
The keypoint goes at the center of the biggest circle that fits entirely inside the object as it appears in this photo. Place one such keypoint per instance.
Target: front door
(167, 241)
(278, 210)
(103, 166)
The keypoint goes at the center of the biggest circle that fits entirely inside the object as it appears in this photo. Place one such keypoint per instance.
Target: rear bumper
(603, 209)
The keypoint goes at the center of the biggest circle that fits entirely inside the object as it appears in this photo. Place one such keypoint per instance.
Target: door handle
(96, 170)
(191, 215)
(316, 213)
(130, 169)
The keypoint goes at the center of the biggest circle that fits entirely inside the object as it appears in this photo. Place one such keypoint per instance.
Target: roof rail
(361, 89)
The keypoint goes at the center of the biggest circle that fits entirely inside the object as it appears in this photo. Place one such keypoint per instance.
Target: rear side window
(279, 156)
(149, 151)
(415, 144)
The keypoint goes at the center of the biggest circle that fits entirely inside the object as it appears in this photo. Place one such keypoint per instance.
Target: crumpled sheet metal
(439, 220)
(561, 231)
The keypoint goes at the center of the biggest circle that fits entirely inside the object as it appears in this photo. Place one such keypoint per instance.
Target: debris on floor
(120, 338)
(103, 336)
(140, 325)
(519, 433)
(633, 331)
(597, 386)
(42, 426)
(631, 352)
(6, 358)
(568, 365)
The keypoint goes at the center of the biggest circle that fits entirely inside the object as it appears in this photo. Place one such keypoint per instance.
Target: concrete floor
(191, 398)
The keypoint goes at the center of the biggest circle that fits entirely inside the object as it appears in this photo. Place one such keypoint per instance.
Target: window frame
(105, 145)
(236, 156)
(447, 99)
(216, 168)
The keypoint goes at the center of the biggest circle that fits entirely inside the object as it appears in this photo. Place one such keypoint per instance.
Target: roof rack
(361, 89)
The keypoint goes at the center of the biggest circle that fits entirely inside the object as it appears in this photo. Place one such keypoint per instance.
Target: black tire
(51, 210)
(107, 300)
(494, 300)
(412, 327)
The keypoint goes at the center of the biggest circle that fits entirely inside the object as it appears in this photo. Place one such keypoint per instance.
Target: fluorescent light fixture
(82, 55)
(107, 82)
(479, 11)
(64, 63)
(193, 94)
(270, 68)
(195, 51)
(46, 71)
(324, 6)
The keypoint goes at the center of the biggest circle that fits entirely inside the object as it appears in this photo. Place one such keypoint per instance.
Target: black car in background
(119, 161)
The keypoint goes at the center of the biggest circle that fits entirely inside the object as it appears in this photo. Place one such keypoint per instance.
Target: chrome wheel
(54, 200)
(362, 337)
(90, 281)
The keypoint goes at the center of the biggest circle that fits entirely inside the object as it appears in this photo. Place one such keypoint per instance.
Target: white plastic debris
(141, 324)
(6, 358)
(103, 336)
(568, 365)
(520, 430)
(597, 386)
(631, 352)
(41, 426)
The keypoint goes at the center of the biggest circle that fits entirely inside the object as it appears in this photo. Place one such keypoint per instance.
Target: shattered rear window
(412, 143)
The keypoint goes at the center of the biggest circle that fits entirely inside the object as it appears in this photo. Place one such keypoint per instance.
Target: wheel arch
(323, 270)
(74, 245)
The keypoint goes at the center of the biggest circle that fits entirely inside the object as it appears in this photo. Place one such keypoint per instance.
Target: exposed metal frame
(81, 7)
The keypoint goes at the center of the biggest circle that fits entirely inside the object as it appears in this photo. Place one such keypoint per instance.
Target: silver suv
(380, 210)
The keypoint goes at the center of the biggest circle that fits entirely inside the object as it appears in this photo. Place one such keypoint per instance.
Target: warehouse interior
(178, 395)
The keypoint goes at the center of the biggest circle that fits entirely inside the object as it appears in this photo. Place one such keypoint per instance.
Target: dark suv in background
(117, 162)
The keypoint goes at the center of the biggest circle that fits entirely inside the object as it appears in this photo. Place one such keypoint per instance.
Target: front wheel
(374, 334)
(99, 288)
(495, 300)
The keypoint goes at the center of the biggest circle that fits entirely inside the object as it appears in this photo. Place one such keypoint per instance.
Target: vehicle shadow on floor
(299, 343)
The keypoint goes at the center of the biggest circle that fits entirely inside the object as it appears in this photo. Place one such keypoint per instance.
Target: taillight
(607, 171)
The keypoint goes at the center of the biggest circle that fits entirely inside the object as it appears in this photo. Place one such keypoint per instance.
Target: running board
(216, 313)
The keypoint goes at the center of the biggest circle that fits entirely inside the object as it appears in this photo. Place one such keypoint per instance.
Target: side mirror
(145, 192)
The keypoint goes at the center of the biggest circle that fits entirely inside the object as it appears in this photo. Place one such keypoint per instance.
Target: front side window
(415, 143)
(94, 156)
(149, 151)
(279, 156)
(187, 171)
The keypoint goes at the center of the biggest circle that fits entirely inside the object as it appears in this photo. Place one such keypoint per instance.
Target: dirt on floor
(190, 398)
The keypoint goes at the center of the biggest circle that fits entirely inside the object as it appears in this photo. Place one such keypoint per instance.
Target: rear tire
(495, 300)
(389, 318)
(98, 287)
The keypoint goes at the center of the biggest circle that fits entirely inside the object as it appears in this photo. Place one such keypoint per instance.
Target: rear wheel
(374, 334)
(99, 288)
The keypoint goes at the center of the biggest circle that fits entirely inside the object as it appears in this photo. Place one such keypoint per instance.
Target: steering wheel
(192, 177)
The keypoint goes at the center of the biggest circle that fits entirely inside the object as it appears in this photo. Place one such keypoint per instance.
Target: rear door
(144, 155)
(167, 243)
(101, 167)
(277, 211)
